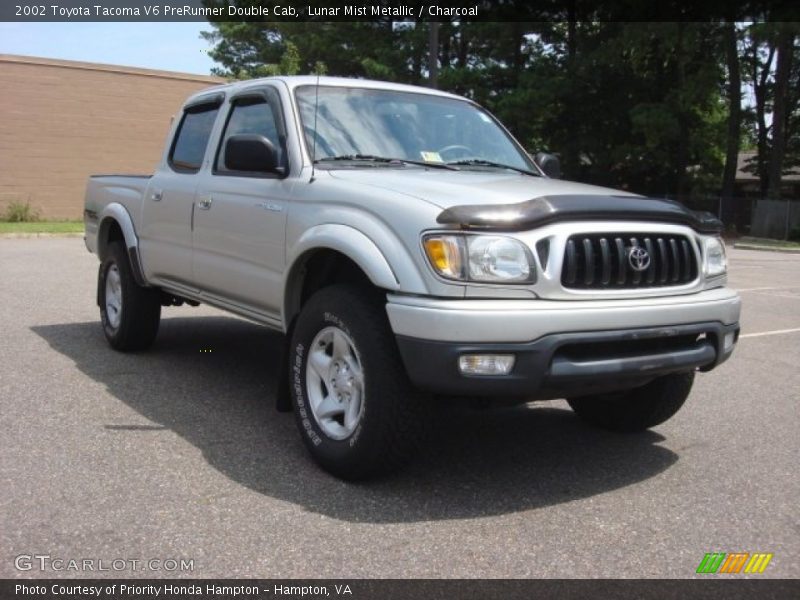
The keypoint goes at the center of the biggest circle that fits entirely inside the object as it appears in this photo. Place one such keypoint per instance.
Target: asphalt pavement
(177, 454)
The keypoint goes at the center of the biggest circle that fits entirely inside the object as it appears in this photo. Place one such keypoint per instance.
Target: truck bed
(102, 190)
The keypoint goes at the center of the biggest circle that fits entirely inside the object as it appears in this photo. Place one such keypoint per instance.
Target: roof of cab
(295, 81)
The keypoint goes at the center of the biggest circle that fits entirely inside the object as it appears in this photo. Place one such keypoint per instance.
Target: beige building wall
(61, 121)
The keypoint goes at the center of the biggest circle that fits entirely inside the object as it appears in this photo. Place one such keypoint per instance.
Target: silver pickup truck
(409, 248)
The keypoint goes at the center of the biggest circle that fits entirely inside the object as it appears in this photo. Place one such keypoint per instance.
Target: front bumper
(563, 348)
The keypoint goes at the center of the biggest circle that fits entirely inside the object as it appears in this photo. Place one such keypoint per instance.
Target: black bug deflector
(551, 209)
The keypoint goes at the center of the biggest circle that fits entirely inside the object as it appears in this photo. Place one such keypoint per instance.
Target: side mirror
(251, 152)
(549, 163)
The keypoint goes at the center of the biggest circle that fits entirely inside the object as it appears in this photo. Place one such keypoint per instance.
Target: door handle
(204, 204)
(270, 206)
(156, 195)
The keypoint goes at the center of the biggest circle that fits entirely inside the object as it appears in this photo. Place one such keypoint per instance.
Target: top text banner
(238, 10)
(392, 10)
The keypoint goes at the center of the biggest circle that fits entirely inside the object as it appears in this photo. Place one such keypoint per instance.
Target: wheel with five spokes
(356, 410)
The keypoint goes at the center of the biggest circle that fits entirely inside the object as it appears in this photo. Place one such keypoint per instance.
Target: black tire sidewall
(361, 318)
(637, 409)
(140, 312)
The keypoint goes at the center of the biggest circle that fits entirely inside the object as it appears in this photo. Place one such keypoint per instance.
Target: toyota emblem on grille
(638, 258)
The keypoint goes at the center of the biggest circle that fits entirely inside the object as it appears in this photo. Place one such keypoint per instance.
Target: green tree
(639, 103)
(349, 49)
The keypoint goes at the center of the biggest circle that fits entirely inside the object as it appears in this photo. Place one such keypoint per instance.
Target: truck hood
(503, 201)
(446, 189)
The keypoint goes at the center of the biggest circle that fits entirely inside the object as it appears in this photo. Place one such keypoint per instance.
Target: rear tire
(357, 412)
(637, 409)
(130, 313)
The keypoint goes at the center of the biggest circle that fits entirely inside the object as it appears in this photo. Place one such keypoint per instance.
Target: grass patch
(42, 227)
(769, 242)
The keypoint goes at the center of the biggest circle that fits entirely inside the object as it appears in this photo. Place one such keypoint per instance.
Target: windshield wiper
(488, 163)
(384, 160)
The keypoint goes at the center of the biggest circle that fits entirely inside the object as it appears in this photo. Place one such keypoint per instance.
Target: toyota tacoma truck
(409, 248)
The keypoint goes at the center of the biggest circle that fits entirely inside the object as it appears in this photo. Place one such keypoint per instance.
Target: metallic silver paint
(527, 320)
(375, 217)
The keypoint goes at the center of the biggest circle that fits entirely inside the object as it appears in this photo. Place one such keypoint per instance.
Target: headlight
(480, 258)
(716, 261)
(499, 259)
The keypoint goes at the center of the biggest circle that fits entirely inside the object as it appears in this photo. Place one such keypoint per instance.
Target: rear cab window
(191, 138)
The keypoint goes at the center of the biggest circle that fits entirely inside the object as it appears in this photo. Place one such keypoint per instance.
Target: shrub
(19, 212)
(794, 235)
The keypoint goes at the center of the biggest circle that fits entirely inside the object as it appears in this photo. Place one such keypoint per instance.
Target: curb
(25, 235)
(747, 246)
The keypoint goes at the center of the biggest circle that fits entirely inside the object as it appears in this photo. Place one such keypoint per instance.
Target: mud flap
(283, 398)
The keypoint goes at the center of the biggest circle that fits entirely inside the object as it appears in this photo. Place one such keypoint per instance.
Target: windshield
(356, 122)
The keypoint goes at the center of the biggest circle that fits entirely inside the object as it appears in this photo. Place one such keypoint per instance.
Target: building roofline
(106, 68)
(744, 159)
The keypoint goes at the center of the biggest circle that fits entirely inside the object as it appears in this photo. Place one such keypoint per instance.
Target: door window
(254, 116)
(191, 140)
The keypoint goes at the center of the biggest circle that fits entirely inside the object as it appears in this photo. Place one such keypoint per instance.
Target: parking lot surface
(178, 453)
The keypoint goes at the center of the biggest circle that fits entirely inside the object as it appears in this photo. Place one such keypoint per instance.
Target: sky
(166, 46)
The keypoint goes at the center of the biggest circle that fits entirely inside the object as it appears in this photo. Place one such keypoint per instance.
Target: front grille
(605, 261)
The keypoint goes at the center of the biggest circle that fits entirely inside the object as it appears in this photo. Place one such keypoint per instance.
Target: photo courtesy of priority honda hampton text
(410, 248)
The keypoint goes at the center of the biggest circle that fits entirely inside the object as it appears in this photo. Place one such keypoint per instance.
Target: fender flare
(348, 241)
(115, 212)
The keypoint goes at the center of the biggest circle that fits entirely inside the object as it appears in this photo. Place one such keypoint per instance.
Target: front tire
(637, 409)
(356, 410)
(130, 313)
